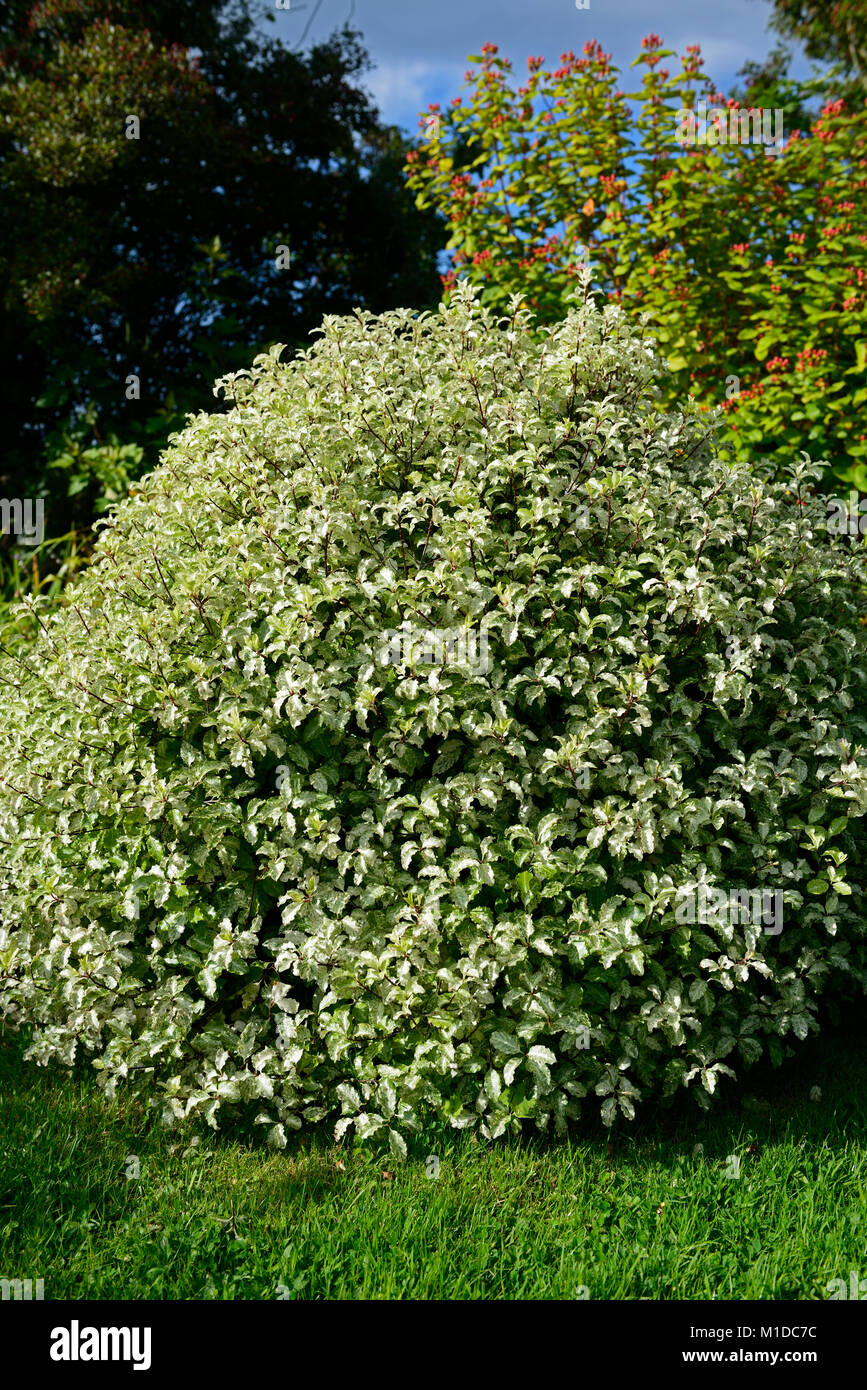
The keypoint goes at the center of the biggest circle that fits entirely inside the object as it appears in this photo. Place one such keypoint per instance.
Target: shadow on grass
(108, 1202)
(818, 1093)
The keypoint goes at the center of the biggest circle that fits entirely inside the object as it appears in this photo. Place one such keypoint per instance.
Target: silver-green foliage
(247, 862)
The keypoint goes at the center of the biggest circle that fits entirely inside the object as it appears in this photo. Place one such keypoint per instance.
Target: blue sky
(420, 47)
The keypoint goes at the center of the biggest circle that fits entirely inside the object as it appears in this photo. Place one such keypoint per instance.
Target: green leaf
(397, 1145)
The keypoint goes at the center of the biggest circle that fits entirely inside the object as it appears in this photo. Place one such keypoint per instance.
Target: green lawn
(635, 1215)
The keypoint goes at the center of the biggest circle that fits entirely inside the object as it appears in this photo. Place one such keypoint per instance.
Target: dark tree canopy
(833, 31)
(151, 251)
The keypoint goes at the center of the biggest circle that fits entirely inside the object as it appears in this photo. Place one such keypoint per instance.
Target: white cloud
(403, 89)
(421, 48)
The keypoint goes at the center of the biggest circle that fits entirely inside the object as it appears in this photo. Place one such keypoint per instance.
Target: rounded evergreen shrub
(444, 729)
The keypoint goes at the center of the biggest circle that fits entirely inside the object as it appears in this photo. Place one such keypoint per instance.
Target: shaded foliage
(156, 257)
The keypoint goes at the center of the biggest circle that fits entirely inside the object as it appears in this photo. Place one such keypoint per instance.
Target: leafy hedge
(260, 851)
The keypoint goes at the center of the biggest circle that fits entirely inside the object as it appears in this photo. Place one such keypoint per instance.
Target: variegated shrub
(258, 852)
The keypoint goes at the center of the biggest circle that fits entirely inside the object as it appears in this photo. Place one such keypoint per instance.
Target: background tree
(749, 264)
(769, 85)
(833, 31)
(154, 155)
